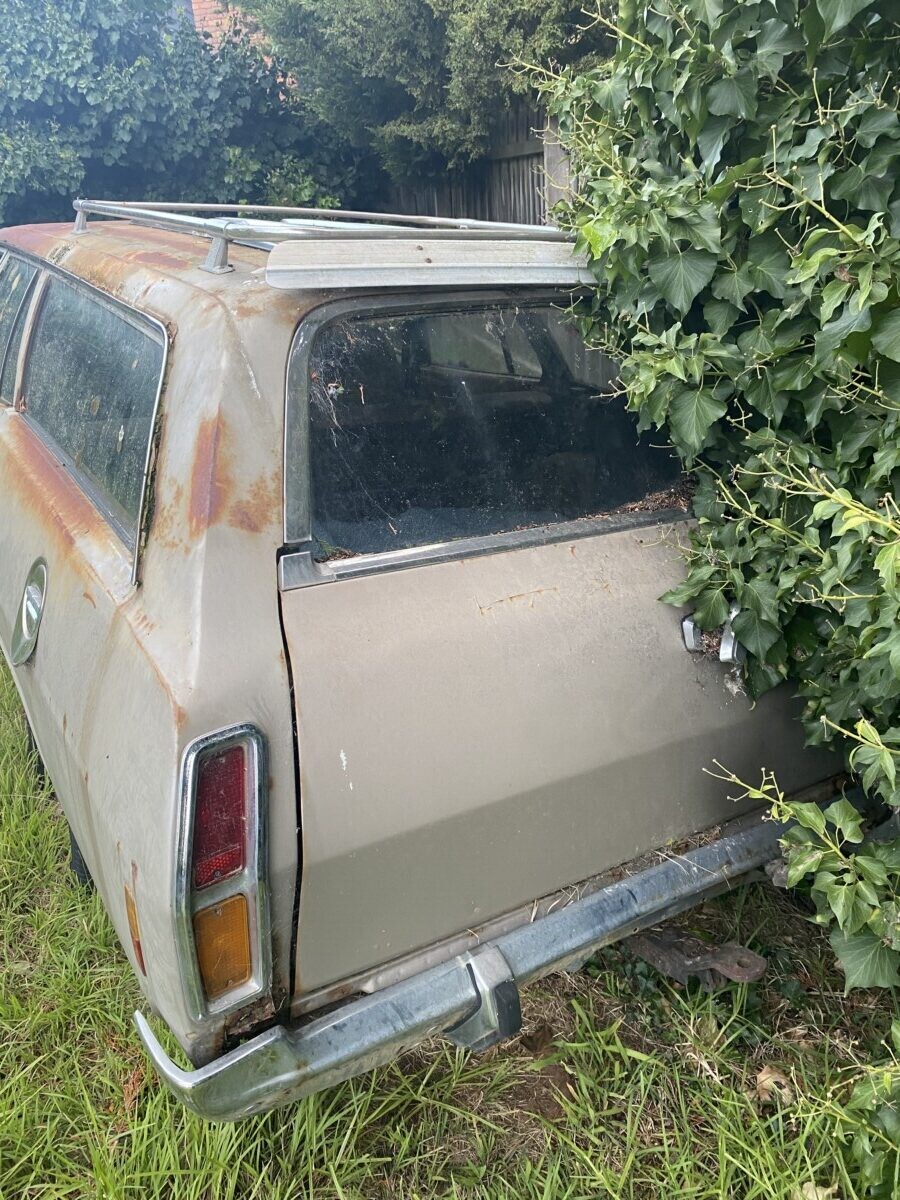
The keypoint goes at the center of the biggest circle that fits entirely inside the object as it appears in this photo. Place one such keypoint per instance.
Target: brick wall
(211, 16)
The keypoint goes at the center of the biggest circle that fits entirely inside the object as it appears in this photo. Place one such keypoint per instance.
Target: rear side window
(426, 426)
(91, 383)
(16, 278)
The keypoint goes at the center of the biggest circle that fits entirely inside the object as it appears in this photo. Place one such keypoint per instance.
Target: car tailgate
(477, 733)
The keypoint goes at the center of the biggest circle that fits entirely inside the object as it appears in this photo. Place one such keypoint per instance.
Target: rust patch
(260, 507)
(103, 272)
(167, 519)
(143, 624)
(65, 723)
(48, 489)
(211, 481)
(156, 258)
(39, 239)
(90, 599)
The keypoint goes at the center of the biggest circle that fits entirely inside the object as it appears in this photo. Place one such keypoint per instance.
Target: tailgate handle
(730, 649)
(31, 609)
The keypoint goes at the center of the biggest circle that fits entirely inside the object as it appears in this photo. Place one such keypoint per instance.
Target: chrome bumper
(472, 999)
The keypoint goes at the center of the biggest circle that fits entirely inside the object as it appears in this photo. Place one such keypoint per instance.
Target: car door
(84, 377)
(491, 702)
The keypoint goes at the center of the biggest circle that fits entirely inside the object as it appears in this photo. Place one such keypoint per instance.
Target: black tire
(79, 866)
(39, 769)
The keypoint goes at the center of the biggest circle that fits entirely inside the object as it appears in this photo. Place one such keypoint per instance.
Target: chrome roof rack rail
(265, 225)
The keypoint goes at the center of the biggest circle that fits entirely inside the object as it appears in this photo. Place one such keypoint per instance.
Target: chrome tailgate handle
(730, 649)
(31, 609)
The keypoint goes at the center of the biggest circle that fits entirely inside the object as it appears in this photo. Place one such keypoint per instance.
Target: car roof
(130, 261)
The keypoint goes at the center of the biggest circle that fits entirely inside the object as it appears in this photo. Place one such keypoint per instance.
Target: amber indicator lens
(222, 938)
(220, 816)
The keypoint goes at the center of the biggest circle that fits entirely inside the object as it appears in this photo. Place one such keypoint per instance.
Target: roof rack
(242, 223)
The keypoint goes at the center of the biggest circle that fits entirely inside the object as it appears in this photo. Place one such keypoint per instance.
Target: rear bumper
(472, 999)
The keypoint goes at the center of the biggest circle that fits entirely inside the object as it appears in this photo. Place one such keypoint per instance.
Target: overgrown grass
(620, 1086)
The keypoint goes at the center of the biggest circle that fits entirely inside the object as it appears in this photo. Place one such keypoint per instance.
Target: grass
(621, 1085)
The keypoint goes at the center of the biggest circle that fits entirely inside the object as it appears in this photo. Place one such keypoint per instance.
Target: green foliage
(123, 99)
(739, 197)
(419, 85)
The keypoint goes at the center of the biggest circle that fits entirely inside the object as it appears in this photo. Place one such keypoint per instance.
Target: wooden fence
(522, 176)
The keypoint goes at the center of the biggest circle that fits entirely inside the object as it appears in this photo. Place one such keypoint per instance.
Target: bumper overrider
(473, 999)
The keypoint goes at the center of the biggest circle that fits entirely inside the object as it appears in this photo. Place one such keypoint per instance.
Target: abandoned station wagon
(329, 566)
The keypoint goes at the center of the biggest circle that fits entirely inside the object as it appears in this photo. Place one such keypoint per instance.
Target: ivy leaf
(865, 960)
(755, 633)
(720, 315)
(887, 564)
(846, 819)
(600, 234)
(886, 338)
(860, 185)
(770, 262)
(760, 595)
(837, 331)
(875, 122)
(691, 587)
(692, 414)
(707, 10)
(808, 815)
(873, 870)
(711, 139)
(803, 861)
(734, 285)
(833, 295)
(838, 13)
(774, 43)
(712, 609)
(681, 276)
(734, 96)
(728, 180)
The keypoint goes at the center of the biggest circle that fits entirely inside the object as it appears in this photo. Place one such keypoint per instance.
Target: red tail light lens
(220, 816)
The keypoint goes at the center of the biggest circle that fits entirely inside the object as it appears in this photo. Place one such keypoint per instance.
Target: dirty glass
(429, 426)
(91, 383)
(15, 280)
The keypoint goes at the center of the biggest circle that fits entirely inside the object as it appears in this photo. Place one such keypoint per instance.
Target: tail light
(220, 901)
(220, 816)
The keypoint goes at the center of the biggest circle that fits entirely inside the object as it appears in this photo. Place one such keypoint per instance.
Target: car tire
(39, 769)
(78, 865)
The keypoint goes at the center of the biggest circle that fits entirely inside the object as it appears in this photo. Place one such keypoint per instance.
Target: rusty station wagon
(329, 579)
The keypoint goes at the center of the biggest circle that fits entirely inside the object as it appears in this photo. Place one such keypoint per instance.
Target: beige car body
(474, 732)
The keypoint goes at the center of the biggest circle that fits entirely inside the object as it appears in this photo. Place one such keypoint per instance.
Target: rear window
(15, 283)
(91, 383)
(425, 427)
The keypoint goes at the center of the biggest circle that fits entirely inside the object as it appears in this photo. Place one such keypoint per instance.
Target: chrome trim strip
(286, 1063)
(251, 882)
(298, 568)
(141, 320)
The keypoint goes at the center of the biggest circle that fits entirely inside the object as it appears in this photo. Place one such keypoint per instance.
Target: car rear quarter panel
(197, 645)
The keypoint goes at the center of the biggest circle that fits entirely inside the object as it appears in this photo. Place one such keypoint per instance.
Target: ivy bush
(123, 98)
(738, 195)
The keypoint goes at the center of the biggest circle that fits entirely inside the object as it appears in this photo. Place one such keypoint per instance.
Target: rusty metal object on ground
(683, 957)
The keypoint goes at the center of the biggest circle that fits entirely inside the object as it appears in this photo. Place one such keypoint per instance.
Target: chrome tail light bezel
(251, 881)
